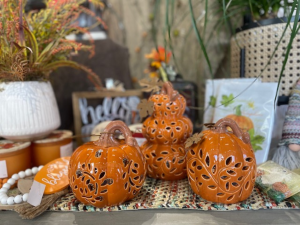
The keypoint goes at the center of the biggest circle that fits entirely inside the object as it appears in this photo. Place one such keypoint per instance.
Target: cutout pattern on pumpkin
(222, 166)
(166, 131)
(107, 172)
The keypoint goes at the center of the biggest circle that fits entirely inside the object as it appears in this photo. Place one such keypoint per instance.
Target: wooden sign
(92, 108)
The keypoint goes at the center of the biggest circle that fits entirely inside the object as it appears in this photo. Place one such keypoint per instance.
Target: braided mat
(157, 194)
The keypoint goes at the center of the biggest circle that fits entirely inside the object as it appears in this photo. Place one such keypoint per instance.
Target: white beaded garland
(25, 197)
(18, 199)
(3, 190)
(22, 174)
(6, 185)
(28, 172)
(4, 199)
(2, 195)
(10, 201)
(15, 177)
(35, 170)
(11, 181)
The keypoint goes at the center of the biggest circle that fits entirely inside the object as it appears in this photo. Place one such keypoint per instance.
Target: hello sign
(92, 108)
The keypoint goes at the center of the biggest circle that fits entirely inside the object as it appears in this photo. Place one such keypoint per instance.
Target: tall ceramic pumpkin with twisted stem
(107, 172)
(222, 166)
(166, 131)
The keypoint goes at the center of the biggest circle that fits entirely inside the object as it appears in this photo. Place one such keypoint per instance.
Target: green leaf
(256, 148)
(259, 139)
(199, 38)
(213, 101)
(256, 140)
(238, 110)
(33, 45)
(45, 51)
(227, 100)
(294, 32)
(251, 133)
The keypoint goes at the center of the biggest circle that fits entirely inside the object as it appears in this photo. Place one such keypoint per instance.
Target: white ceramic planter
(28, 110)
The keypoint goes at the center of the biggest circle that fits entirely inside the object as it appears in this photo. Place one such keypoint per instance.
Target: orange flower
(160, 55)
(154, 74)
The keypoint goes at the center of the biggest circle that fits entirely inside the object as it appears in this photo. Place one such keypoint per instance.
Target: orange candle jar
(14, 157)
(57, 144)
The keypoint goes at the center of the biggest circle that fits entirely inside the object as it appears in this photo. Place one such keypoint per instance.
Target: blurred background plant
(257, 9)
(197, 33)
(34, 44)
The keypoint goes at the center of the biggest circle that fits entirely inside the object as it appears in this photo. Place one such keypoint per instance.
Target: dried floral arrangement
(158, 64)
(34, 44)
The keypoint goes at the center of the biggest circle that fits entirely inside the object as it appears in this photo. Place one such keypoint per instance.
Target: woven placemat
(157, 194)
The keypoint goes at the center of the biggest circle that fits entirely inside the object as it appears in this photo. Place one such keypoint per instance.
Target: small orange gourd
(222, 166)
(109, 171)
(166, 131)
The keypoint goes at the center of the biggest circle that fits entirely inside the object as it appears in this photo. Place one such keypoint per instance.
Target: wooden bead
(6, 185)
(4, 200)
(28, 172)
(294, 147)
(15, 177)
(10, 201)
(35, 170)
(11, 181)
(21, 174)
(18, 199)
(25, 197)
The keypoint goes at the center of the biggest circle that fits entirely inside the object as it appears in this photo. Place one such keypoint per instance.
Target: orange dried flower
(160, 55)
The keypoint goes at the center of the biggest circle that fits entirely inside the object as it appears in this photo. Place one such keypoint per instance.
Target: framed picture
(92, 108)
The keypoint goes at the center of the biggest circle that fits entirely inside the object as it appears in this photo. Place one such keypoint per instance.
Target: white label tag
(66, 150)
(36, 193)
(3, 169)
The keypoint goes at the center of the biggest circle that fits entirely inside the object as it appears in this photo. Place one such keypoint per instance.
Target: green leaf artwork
(227, 100)
(256, 140)
(213, 101)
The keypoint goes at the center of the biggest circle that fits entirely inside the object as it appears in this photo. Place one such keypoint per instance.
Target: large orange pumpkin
(244, 122)
(107, 172)
(222, 166)
(166, 131)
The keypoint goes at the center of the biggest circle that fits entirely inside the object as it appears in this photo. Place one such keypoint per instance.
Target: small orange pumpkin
(244, 122)
(166, 131)
(3, 181)
(107, 172)
(222, 166)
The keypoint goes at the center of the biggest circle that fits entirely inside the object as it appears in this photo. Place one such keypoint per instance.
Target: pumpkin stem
(238, 111)
(107, 140)
(167, 88)
(227, 122)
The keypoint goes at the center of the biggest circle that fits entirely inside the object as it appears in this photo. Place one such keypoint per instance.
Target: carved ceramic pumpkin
(221, 166)
(107, 172)
(166, 131)
(244, 122)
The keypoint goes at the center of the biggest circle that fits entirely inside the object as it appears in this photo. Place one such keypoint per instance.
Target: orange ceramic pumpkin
(221, 166)
(244, 122)
(107, 172)
(166, 131)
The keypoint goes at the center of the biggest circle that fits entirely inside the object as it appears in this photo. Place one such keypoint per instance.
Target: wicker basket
(259, 44)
